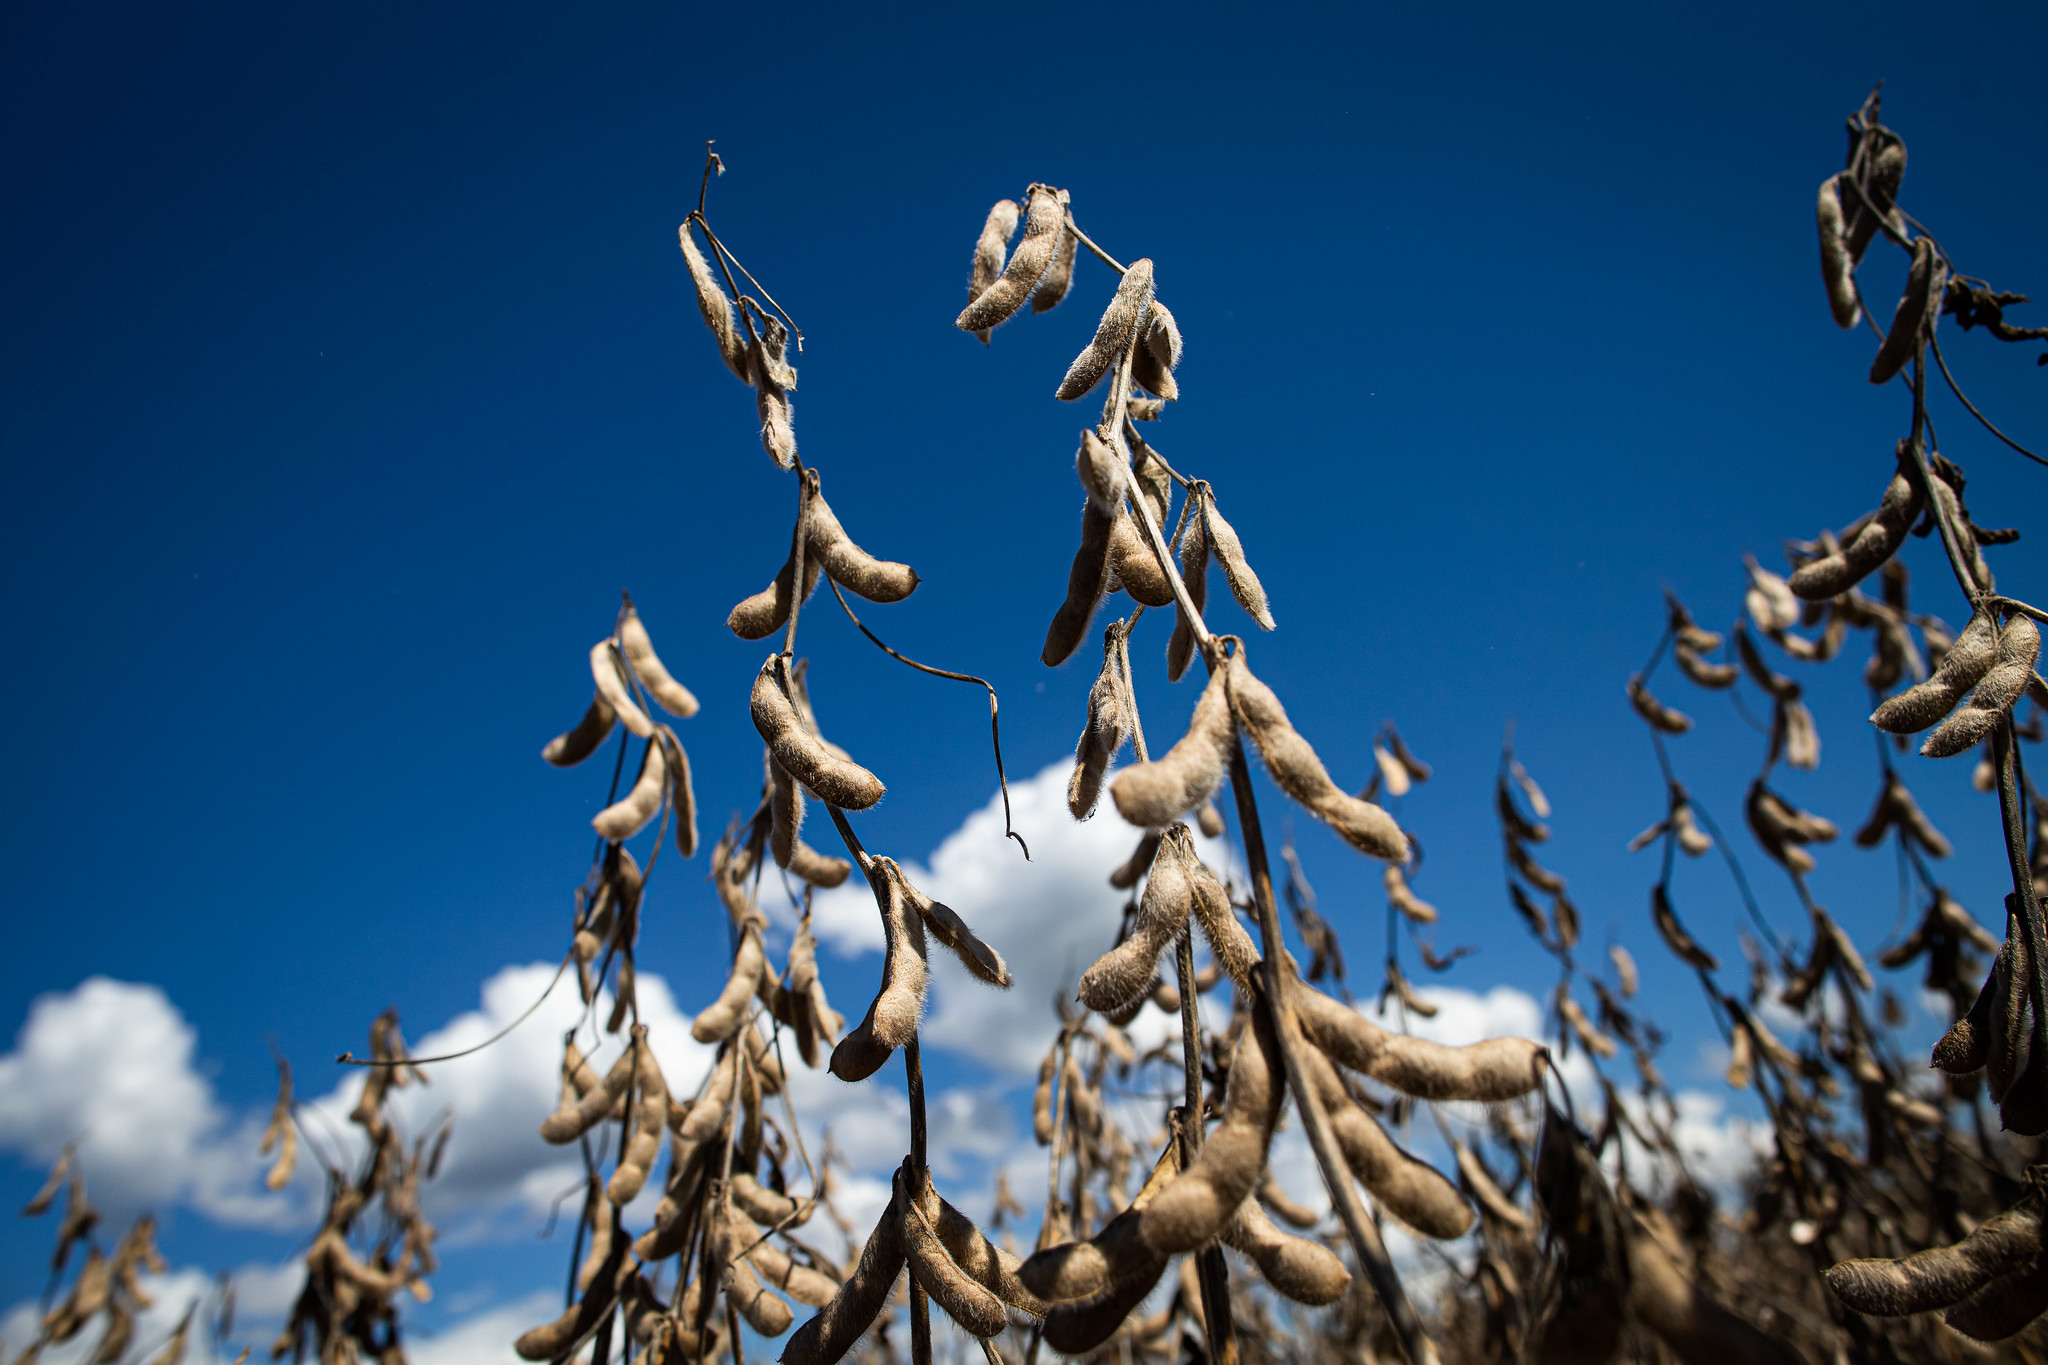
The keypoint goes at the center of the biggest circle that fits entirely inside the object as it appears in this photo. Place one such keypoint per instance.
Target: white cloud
(109, 1065)
(171, 1293)
(1049, 918)
(483, 1338)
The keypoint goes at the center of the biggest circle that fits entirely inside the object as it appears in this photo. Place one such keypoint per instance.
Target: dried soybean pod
(723, 1016)
(2012, 668)
(1489, 1071)
(1674, 934)
(1136, 568)
(630, 813)
(650, 1118)
(639, 651)
(833, 780)
(1884, 170)
(819, 869)
(840, 1323)
(1694, 1329)
(2004, 1306)
(1135, 866)
(1837, 271)
(763, 1204)
(1659, 716)
(1402, 898)
(1913, 321)
(282, 1134)
(759, 616)
(1237, 570)
(1231, 946)
(1297, 1268)
(772, 379)
(1490, 1195)
(1087, 581)
(878, 580)
(989, 250)
(707, 1116)
(786, 813)
(973, 1307)
(985, 1263)
(1161, 791)
(552, 1340)
(1280, 1202)
(716, 308)
(1709, 675)
(571, 1121)
(891, 1020)
(1298, 772)
(1058, 276)
(1045, 219)
(611, 687)
(764, 1312)
(1941, 1276)
(1077, 1328)
(44, 1197)
(1125, 973)
(1880, 537)
(1104, 733)
(1041, 1099)
(1966, 662)
(1112, 334)
(681, 795)
(1194, 573)
(1209, 819)
(571, 747)
(1200, 1201)
(1624, 970)
(800, 1282)
(1411, 1190)
(949, 929)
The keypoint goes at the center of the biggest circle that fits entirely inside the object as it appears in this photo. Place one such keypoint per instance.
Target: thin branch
(1962, 398)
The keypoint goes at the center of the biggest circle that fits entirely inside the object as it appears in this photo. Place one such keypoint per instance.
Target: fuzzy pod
(1771, 604)
(2012, 668)
(1879, 539)
(1884, 171)
(1760, 672)
(707, 1116)
(786, 813)
(828, 1336)
(767, 611)
(761, 1056)
(1837, 271)
(984, 1262)
(945, 925)
(772, 378)
(1298, 772)
(722, 1017)
(1087, 582)
(1656, 713)
(1126, 972)
(1113, 333)
(1709, 675)
(852, 568)
(612, 690)
(1914, 319)
(2003, 1307)
(1103, 735)
(834, 780)
(572, 746)
(630, 813)
(638, 648)
(571, 1120)
(553, 1339)
(1075, 1271)
(762, 1204)
(891, 1020)
(1194, 575)
(1200, 1201)
(1488, 1071)
(1402, 898)
(819, 869)
(1159, 792)
(1045, 220)
(1209, 820)
(1104, 476)
(1041, 1099)
(803, 1283)
(1078, 1328)
(1941, 1276)
(716, 308)
(1801, 738)
(1135, 566)
(1237, 570)
(650, 1118)
(1693, 1328)
(1297, 1268)
(973, 1307)
(1151, 376)
(990, 249)
(1229, 944)
(1059, 274)
(762, 1311)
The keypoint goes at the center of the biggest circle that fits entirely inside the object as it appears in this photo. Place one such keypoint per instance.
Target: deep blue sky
(350, 371)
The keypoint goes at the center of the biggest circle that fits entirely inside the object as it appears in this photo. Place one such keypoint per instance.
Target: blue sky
(351, 371)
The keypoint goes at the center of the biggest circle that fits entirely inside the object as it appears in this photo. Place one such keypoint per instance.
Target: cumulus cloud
(171, 1294)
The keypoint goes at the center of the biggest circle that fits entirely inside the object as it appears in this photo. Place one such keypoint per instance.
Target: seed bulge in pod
(571, 747)
(1045, 218)
(1837, 272)
(833, 780)
(1157, 793)
(630, 813)
(716, 308)
(990, 249)
(1237, 570)
(1914, 319)
(1087, 582)
(638, 648)
(1298, 772)
(1112, 334)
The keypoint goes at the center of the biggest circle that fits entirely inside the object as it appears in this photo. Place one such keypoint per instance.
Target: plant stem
(1358, 1225)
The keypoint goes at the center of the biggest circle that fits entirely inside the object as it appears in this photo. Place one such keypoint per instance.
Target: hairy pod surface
(722, 1018)
(1135, 566)
(1298, 772)
(891, 1020)
(762, 1311)
(572, 746)
(638, 648)
(630, 813)
(945, 925)
(833, 780)
(1237, 570)
(1045, 218)
(878, 580)
(1941, 1276)
(1914, 319)
(1102, 736)
(1126, 972)
(1299, 1269)
(1202, 1198)
(1968, 659)
(989, 251)
(1837, 271)
(1113, 334)
(1231, 946)
(767, 611)
(1488, 1071)
(1878, 540)
(973, 1307)
(715, 307)
(650, 1120)
(1087, 582)
(612, 690)
(2012, 668)
(1194, 575)
(828, 1336)
(1059, 274)
(1159, 792)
